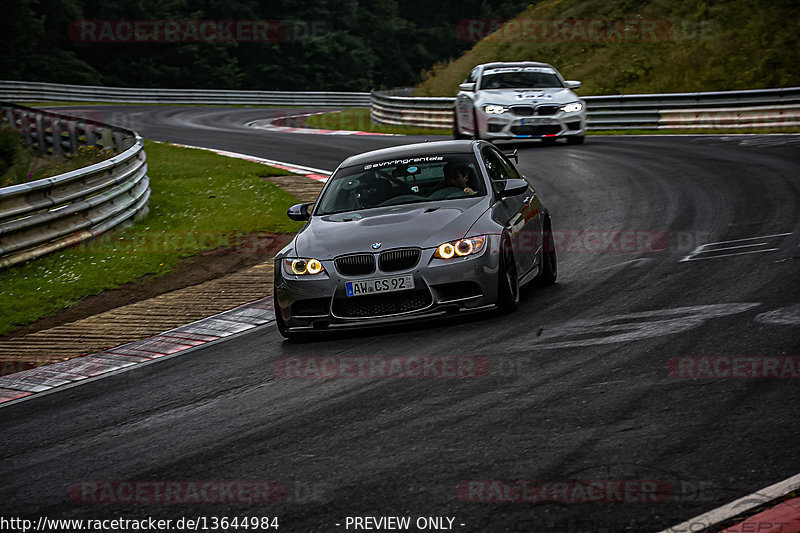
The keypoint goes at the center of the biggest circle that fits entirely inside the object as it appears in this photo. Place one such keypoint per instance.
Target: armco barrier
(23, 91)
(761, 108)
(45, 215)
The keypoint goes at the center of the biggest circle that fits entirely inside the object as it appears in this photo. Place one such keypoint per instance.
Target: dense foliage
(673, 45)
(321, 45)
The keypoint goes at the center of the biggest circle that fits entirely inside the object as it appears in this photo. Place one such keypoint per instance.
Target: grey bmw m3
(413, 232)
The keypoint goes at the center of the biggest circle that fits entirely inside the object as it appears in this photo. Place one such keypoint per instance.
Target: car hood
(527, 96)
(424, 225)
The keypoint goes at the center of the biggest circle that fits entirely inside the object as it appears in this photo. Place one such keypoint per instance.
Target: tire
(476, 135)
(457, 135)
(507, 281)
(575, 139)
(549, 270)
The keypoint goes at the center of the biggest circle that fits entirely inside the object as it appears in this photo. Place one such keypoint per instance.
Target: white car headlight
(461, 247)
(493, 109)
(572, 107)
(302, 267)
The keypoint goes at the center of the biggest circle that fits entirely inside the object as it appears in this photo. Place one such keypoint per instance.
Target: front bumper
(441, 287)
(509, 125)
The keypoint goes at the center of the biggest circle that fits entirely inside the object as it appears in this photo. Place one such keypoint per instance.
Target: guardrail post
(55, 127)
(73, 136)
(91, 136)
(26, 127)
(40, 133)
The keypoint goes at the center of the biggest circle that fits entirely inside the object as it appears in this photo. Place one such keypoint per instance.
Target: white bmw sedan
(525, 100)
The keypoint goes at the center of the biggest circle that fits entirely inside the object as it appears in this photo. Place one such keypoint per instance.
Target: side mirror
(469, 87)
(514, 187)
(299, 212)
(513, 155)
(574, 84)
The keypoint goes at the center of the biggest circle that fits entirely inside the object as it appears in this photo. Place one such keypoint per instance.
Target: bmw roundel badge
(376, 245)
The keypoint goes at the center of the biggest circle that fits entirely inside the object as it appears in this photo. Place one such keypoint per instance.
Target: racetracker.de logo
(595, 241)
(194, 31)
(567, 491)
(565, 30)
(734, 367)
(181, 492)
(379, 367)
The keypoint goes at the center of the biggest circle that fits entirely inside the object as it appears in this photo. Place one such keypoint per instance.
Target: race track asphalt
(579, 399)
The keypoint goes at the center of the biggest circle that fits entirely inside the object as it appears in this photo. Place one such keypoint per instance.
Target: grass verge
(358, 119)
(199, 201)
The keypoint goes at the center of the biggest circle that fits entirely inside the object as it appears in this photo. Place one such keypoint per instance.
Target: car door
(521, 214)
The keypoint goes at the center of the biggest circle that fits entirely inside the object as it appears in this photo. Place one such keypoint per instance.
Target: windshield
(520, 78)
(404, 181)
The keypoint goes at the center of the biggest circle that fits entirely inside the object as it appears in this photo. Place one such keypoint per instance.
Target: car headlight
(572, 107)
(492, 109)
(302, 267)
(461, 247)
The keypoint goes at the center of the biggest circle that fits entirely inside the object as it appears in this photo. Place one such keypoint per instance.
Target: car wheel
(508, 283)
(279, 319)
(575, 139)
(456, 132)
(549, 270)
(476, 133)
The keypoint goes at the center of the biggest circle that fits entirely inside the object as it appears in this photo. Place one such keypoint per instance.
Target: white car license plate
(535, 121)
(372, 286)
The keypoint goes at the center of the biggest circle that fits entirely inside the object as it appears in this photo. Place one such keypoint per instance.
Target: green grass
(358, 119)
(694, 45)
(200, 200)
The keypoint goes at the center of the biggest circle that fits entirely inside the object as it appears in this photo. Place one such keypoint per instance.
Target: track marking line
(730, 255)
(310, 172)
(737, 507)
(267, 124)
(720, 246)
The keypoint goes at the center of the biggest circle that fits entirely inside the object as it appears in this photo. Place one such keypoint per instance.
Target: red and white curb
(309, 172)
(269, 125)
(782, 517)
(23, 385)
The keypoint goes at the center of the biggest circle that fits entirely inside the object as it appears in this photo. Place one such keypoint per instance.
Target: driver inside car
(457, 175)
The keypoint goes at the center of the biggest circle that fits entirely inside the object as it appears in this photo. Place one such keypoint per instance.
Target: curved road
(582, 398)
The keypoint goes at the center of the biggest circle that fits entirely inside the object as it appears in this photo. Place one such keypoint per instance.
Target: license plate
(535, 121)
(372, 286)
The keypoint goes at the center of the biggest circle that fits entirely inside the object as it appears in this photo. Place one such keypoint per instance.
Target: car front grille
(395, 260)
(536, 130)
(547, 110)
(378, 305)
(522, 110)
(355, 265)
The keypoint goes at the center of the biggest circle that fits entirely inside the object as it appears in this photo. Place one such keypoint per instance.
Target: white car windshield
(405, 181)
(520, 79)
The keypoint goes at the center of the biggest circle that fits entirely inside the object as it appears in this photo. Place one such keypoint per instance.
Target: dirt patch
(253, 249)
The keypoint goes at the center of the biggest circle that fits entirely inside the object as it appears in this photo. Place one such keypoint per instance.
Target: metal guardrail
(45, 215)
(42, 92)
(762, 108)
